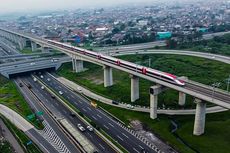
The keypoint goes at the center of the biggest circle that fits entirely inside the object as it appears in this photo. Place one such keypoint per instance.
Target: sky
(8, 6)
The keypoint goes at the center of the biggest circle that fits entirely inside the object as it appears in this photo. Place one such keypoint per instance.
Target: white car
(32, 63)
(35, 79)
(42, 87)
(48, 79)
(80, 127)
(130, 106)
(60, 92)
(42, 76)
(90, 128)
(78, 88)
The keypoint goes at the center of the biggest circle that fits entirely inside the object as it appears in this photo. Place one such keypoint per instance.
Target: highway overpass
(11, 69)
(195, 89)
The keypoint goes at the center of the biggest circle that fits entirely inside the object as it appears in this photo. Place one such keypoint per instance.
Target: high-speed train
(131, 66)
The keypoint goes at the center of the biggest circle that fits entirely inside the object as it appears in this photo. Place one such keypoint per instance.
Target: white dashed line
(125, 135)
(136, 150)
(101, 146)
(84, 109)
(119, 137)
(106, 127)
(94, 117)
(99, 116)
(111, 124)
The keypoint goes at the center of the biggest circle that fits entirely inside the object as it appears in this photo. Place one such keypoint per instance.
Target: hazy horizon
(14, 6)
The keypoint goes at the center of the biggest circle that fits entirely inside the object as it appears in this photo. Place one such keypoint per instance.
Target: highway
(122, 136)
(216, 57)
(56, 107)
(64, 142)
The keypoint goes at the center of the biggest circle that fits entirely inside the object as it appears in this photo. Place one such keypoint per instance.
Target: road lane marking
(106, 127)
(136, 150)
(101, 146)
(125, 135)
(99, 116)
(111, 124)
(94, 117)
(84, 109)
(141, 147)
(119, 137)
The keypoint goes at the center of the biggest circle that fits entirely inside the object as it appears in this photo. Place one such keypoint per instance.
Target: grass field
(11, 97)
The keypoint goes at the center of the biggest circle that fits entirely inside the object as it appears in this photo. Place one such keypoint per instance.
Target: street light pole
(228, 82)
(215, 85)
(149, 62)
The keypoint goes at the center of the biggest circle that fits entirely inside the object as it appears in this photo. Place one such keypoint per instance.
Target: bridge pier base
(134, 88)
(78, 65)
(73, 63)
(108, 76)
(154, 91)
(182, 98)
(199, 123)
(33, 46)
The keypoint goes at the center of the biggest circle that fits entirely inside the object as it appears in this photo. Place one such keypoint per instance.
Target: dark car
(115, 102)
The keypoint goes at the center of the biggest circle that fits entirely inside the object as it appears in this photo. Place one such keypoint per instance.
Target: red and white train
(131, 66)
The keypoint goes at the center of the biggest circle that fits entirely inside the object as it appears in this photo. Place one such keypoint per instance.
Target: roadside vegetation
(11, 97)
(21, 138)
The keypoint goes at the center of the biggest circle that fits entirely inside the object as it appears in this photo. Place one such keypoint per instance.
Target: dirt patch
(143, 130)
(95, 80)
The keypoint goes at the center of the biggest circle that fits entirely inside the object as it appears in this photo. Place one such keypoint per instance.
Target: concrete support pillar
(182, 98)
(108, 76)
(73, 63)
(199, 123)
(78, 65)
(33, 46)
(154, 91)
(134, 88)
(153, 105)
(44, 49)
(20, 45)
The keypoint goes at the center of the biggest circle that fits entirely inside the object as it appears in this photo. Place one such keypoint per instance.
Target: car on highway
(42, 87)
(20, 84)
(60, 92)
(35, 79)
(130, 106)
(72, 114)
(115, 102)
(48, 79)
(90, 128)
(52, 96)
(32, 63)
(80, 127)
(42, 76)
